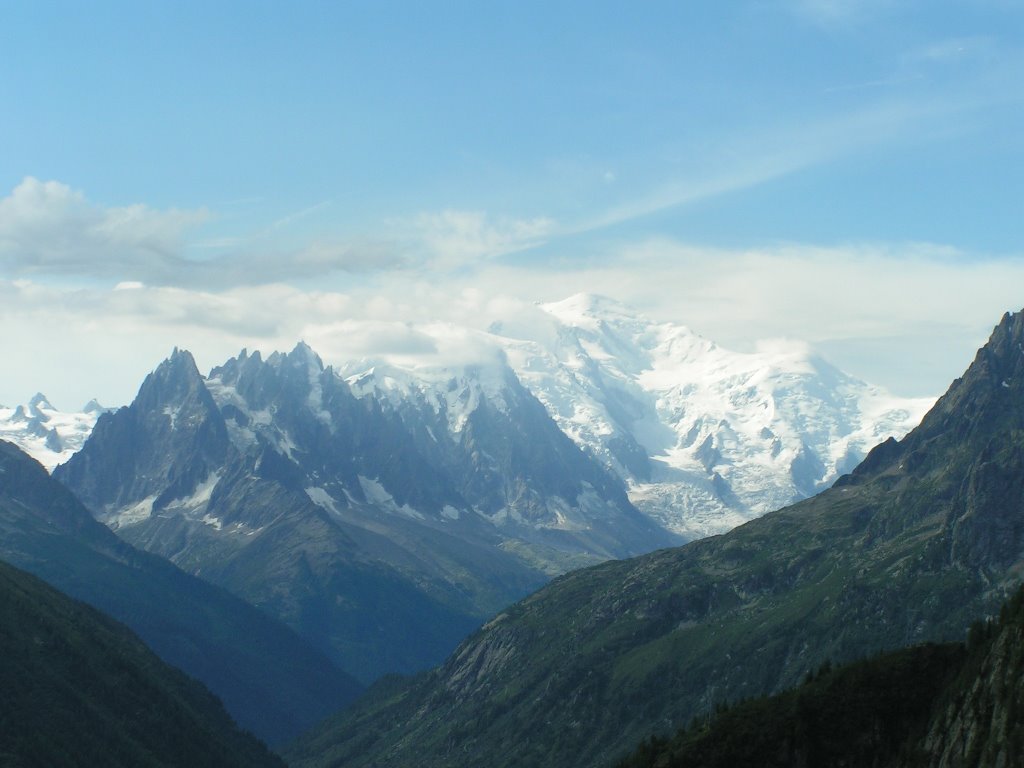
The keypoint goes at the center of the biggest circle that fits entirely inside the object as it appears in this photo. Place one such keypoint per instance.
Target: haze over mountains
(385, 509)
(382, 533)
(704, 438)
(431, 494)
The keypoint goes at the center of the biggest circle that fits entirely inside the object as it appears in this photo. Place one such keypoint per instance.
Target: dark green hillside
(926, 536)
(270, 680)
(869, 713)
(81, 690)
(933, 705)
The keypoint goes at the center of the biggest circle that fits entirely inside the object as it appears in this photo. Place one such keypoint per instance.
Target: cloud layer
(909, 316)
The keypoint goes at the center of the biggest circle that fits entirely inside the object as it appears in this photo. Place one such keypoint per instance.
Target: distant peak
(40, 401)
(588, 304)
(303, 351)
(244, 356)
(93, 406)
(589, 309)
(180, 363)
(180, 355)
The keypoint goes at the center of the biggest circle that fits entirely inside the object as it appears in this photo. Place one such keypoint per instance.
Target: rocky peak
(94, 407)
(38, 404)
(984, 403)
(158, 449)
(991, 392)
(302, 353)
(175, 381)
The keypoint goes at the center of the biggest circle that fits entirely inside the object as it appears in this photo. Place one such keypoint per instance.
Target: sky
(219, 175)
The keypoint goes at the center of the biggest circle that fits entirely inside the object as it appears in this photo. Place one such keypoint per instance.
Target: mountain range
(704, 438)
(925, 536)
(382, 530)
(384, 509)
(49, 435)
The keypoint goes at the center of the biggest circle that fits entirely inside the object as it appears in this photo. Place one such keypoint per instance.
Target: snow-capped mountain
(706, 438)
(382, 516)
(47, 434)
(703, 437)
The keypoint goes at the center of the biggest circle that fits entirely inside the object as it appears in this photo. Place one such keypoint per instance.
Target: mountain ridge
(703, 437)
(381, 530)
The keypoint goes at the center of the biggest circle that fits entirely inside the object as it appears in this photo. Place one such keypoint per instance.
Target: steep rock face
(980, 724)
(81, 689)
(901, 551)
(156, 450)
(506, 460)
(270, 680)
(381, 527)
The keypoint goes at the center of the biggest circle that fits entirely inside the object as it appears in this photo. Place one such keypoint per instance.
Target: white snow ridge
(704, 437)
(48, 435)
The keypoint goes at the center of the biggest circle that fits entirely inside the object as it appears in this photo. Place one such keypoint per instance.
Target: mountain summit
(704, 437)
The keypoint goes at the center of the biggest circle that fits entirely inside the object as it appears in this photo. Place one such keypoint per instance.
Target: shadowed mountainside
(270, 680)
(81, 690)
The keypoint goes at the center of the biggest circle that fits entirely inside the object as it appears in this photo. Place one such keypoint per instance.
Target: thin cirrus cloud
(47, 228)
(831, 13)
(452, 239)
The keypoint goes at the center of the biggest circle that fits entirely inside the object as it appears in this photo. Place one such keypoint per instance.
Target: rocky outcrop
(983, 727)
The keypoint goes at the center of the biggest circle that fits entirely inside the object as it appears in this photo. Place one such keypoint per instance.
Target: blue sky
(848, 173)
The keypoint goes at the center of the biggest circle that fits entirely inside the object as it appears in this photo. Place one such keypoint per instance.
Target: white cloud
(908, 315)
(47, 227)
(958, 48)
